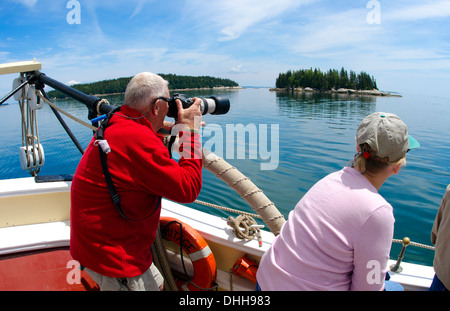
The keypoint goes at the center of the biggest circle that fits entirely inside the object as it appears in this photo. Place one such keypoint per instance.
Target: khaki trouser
(151, 280)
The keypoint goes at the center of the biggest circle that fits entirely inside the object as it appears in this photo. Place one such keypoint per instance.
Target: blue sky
(248, 41)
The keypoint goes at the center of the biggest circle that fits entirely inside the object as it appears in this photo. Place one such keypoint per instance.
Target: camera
(212, 104)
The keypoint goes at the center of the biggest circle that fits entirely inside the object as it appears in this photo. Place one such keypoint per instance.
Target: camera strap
(101, 143)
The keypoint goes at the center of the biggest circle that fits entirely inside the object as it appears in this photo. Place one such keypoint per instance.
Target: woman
(339, 235)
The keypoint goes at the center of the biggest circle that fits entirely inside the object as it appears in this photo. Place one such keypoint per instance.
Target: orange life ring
(199, 253)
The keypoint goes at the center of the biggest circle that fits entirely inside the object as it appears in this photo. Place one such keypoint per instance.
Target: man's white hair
(143, 89)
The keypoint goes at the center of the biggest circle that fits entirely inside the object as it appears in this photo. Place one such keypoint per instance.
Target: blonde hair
(365, 162)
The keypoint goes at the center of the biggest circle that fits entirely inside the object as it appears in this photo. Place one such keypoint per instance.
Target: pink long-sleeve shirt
(338, 237)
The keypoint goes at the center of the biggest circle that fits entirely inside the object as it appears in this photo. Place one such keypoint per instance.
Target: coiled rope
(244, 226)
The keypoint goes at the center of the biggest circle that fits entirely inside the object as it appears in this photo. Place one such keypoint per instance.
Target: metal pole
(89, 100)
(64, 125)
(396, 267)
(13, 92)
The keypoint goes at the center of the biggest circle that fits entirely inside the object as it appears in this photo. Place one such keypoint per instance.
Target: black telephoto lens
(213, 105)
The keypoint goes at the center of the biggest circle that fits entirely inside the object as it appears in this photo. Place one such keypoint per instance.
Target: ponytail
(364, 161)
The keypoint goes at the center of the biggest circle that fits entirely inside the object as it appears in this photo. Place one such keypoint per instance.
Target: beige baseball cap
(387, 135)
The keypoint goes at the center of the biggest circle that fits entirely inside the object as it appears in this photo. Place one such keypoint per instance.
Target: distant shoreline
(171, 90)
(342, 91)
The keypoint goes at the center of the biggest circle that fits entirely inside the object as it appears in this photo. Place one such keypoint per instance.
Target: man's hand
(191, 116)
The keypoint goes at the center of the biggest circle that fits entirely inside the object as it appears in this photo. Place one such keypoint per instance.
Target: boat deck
(39, 222)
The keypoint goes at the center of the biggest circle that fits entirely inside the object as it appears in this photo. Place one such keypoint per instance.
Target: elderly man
(113, 244)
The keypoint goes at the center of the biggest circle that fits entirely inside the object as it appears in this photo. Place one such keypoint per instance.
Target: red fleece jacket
(141, 169)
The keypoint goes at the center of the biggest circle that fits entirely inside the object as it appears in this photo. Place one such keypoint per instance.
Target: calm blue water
(316, 137)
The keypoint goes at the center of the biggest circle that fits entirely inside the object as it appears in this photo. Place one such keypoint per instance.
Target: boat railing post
(396, 267)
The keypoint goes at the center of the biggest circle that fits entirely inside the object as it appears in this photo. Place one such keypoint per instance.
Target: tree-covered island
(176, 82)
(331, 81)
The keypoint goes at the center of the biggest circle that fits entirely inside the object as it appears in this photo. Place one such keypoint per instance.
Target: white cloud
(4, 55)
(423, 10)
(234, 17)
(131, 53)
(238, 70)
(331, 33)
(248, 40)
(139, 7)
(346, 37)
(28, 3)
